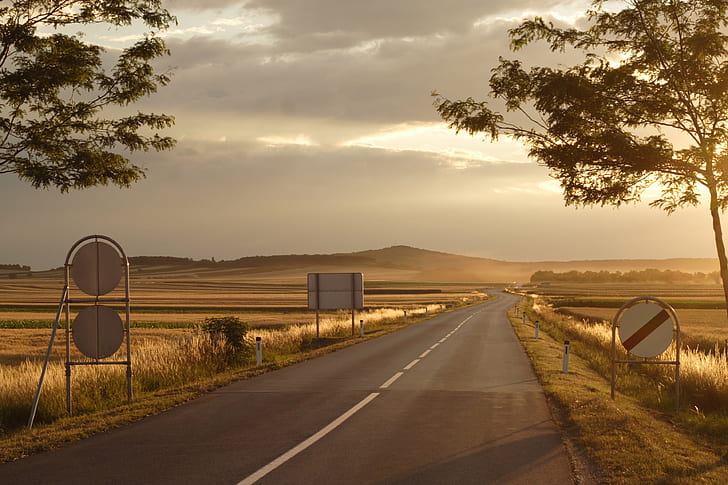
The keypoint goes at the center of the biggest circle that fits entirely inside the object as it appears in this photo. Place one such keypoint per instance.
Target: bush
(233, 332)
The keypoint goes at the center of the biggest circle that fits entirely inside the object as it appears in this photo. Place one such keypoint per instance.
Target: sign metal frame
(676, 340)
(340, 291)
(65, 303)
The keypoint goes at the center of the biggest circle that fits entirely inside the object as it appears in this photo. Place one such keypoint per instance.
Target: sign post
(335, 291)
(95, 264)
(647, 326)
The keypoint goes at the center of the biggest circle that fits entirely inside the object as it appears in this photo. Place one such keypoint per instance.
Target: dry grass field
(698, 323)
(169, 297)
(700, 308)
(181, 301)
(169, 345)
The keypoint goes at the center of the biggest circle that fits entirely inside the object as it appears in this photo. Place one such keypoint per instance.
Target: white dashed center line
(391, 380)
(251, 479)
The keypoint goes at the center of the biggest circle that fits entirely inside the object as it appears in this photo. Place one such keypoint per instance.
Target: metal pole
(258, 351)
(129, 372)
(677, 362)
(68, 342)
(69, 409)
(353, 301)
(47, 358)
(565, 370)
(318, 289)
(614, 356)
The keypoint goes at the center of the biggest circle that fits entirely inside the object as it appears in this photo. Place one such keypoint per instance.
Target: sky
(307, 127)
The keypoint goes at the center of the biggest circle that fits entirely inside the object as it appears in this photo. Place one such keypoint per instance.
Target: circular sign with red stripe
(646, 329)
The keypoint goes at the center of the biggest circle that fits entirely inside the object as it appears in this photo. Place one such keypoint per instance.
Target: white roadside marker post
(566, 357)
(258, 351)
(524, 318)
(405, 316)
(361, 328)
(536, 328)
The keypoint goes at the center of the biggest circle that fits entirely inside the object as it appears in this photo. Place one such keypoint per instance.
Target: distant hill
(400, 263)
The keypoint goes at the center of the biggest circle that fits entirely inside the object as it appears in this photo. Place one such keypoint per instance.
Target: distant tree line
(160, 260)
(14, 267)
(253, 261)
(644, 276)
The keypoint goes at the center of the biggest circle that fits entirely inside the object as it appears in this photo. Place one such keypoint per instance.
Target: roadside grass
(636, 438)
(704, 329)
(166, 373)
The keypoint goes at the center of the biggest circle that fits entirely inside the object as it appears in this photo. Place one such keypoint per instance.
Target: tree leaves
(648, 106)
(653, 69)
(55, 90)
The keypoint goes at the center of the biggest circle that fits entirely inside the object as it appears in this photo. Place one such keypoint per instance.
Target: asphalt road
(451, 400)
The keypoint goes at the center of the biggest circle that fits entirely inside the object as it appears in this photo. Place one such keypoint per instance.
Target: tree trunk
(719, 244)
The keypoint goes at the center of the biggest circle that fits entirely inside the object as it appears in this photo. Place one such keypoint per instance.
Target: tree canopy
(646, 107)
(56, 88)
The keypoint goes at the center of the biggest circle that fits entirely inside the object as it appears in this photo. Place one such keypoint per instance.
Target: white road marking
(391, 380)
(305, 444)
(338, 421)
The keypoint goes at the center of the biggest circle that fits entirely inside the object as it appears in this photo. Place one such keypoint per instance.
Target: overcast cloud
(308, 127)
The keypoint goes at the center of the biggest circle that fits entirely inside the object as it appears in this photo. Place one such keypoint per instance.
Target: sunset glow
(308, 127)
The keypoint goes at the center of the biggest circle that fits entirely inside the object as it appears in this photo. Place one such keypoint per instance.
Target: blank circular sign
(96, 268)
(646, 329)
(98, 331)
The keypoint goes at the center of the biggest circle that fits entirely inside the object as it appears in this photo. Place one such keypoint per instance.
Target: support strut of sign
(96, 264)
(335, 291)
(647, 326)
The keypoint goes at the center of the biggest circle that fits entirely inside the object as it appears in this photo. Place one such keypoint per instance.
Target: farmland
(167, 303)
(700, 308)
(170, 307)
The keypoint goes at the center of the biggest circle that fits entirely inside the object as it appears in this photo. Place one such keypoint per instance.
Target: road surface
(451, 400)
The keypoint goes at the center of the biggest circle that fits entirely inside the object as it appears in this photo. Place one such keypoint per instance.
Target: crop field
(700, 308)
(166, 306)
(169, 341)
(166, 294)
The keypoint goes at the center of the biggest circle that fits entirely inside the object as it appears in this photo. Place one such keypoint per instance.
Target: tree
(55, 89)
(647, 106)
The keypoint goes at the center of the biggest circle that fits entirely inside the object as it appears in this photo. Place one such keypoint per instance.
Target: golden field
(166, 297)
(182, 353)
(700, 308)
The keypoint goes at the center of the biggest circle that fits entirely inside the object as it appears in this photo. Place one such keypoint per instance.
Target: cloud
(389, 82)
(274, 141)
(381, 19)
(346, 62)
(461, 151)
(313, 120)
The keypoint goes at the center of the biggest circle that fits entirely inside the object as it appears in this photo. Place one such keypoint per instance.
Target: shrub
(233, 332)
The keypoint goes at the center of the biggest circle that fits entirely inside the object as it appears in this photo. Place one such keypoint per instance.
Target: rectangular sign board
(335, 291)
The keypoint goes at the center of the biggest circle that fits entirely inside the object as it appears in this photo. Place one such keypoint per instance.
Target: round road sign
(646, 329)
(98, 331)
(96, 268)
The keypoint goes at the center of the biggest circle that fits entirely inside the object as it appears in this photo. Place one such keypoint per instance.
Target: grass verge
(623, 441)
